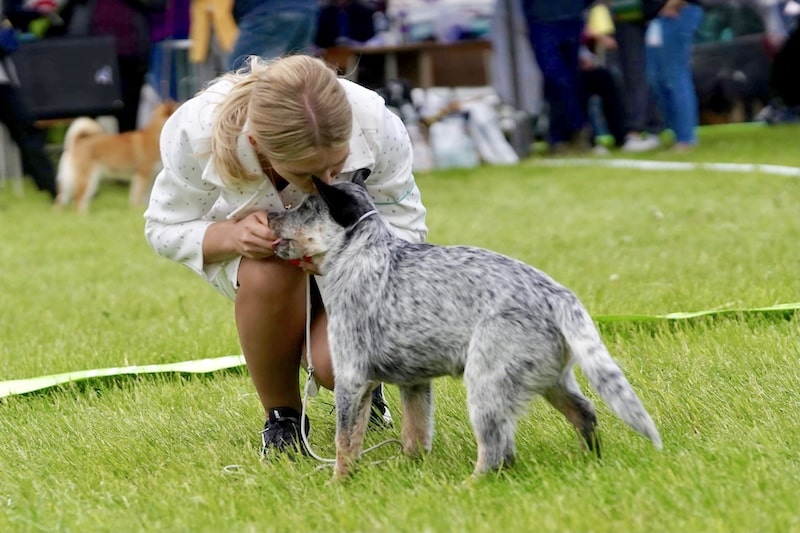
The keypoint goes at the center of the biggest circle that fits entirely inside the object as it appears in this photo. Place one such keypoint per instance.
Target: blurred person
(554, 30)
(597, 81)
(212, 35)
(352, 23)
(630, 24)
(273, 28)
(168, 68)
(669, 68)
(16, 117)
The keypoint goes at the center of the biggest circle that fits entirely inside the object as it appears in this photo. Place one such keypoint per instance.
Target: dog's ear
(341, 206)
(360, 177)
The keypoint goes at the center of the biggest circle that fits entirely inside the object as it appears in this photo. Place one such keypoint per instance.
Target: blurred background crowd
(567, 76)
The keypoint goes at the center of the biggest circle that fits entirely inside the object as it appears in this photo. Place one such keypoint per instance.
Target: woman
(249, 144)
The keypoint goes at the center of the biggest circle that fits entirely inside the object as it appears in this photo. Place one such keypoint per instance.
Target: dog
(406, 313)
(90, 153)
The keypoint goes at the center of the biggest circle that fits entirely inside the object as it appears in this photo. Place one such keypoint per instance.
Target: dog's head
(320, 222)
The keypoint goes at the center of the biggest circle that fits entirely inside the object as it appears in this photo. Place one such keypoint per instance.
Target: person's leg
(638, 100)
(633, 67)
(556, 49)
(270, 313)
(599, 81)
(657, 78)
(132, 73)
(677, 53)
(29, 139)
(543, 43)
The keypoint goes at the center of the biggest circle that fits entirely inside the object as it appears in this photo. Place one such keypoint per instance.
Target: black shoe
(380, 416)
(281, 433)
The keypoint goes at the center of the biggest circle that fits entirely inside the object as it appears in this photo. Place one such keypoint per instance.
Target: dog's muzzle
(283, 249)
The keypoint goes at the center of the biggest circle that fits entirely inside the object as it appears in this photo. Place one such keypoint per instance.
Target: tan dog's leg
(85, 186)
(140, 185)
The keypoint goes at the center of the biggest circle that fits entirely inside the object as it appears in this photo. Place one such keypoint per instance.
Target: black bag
(66, 77)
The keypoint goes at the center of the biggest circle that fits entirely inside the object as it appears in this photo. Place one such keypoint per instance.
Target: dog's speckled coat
(406, 313)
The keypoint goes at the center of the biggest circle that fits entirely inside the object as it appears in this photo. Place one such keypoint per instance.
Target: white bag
(483, 125)
(451, 145)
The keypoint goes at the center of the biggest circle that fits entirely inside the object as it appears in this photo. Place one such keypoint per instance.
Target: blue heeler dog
(406, 313)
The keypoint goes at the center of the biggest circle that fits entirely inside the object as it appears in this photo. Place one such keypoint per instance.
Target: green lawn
(180, 452)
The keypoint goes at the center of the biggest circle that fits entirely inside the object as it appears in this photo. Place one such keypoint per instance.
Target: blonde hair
(295, 105)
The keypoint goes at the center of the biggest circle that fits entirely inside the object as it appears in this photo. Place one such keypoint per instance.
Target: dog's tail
(79, 129)
(602, 372)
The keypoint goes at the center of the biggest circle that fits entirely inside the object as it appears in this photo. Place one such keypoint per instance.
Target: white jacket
(188, 194)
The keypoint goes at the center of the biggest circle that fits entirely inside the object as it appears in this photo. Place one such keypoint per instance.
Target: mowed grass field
(179, 452)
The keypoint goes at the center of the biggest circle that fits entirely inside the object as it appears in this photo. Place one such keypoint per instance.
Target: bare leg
(270, 318)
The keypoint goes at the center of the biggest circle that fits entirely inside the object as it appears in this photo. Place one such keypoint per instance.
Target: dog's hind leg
(493, 401)
(352, 415)
(502, 373)
(65, 181)
(494, 426)
(567, 398)
(86, 187)
(416, 402)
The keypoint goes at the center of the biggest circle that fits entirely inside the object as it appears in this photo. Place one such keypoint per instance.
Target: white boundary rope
(682, 166)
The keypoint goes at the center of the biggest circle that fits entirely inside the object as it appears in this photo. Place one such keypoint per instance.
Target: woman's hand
(252, 236)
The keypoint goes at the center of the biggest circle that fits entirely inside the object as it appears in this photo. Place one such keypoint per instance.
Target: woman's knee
(270, 279)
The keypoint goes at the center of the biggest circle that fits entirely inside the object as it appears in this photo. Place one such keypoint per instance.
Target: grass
(150, 453)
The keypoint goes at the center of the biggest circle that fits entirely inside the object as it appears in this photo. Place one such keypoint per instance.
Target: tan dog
(91, 154)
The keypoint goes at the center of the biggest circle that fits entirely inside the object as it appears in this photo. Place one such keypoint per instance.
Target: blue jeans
(669, 72)
(273, 32)
(556, 47)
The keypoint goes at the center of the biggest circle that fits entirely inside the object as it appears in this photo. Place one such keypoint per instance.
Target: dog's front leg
(352, 414)
(416, 403)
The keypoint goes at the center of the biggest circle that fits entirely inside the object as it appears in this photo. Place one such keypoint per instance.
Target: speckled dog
(406, 313)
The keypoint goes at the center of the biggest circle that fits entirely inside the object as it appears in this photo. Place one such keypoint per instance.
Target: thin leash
(311, 389)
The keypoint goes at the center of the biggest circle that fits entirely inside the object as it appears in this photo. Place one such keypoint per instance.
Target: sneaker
(281, 433)
(380, 416)
(641, 142)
